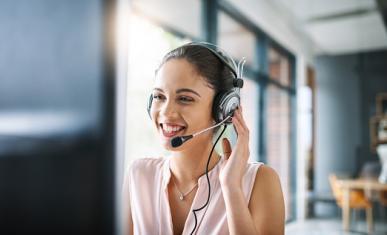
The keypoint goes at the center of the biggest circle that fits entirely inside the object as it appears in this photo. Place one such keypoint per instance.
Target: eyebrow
(180, 91)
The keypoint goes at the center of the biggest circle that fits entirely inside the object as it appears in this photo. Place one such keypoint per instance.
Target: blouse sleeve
(126, 208)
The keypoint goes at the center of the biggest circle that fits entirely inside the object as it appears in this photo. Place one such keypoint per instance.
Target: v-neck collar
(167, 172)
(199, 199)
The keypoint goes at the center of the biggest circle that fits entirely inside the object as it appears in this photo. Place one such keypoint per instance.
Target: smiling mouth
(171, 130)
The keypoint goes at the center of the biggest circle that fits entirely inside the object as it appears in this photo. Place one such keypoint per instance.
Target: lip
(173, 133)
(171, 124)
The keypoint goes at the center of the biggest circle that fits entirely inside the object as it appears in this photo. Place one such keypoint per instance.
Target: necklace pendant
(181, 197)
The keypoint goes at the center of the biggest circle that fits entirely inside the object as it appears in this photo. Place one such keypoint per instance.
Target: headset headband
(219, 53)
(227, 60)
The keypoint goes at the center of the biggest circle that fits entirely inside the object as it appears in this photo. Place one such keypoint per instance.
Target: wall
(373, 72)
(346, 90)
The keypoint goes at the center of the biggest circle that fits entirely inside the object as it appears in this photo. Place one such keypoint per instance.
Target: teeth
(169, 128)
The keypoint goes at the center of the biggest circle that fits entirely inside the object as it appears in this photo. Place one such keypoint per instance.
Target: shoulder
(266, 182)
(266, 175)
(145, 167)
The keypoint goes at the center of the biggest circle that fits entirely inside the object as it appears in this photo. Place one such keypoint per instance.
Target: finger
(241, 130)
(237, 124)
(241, 119)
(242, 142)
(226, 148)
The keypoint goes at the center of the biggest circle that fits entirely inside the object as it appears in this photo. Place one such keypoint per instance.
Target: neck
(189, 165)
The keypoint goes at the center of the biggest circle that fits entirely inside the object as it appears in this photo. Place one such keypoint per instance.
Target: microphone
(179, 140)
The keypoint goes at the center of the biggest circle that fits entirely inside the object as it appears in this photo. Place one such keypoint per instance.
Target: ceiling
(332, 26)
(339, 27)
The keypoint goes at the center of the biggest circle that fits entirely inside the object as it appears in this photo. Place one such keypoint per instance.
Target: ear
(226, 148)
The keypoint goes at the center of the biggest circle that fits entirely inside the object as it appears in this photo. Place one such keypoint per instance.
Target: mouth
(171, 130)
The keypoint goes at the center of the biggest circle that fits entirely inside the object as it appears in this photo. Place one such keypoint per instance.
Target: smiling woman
(194, 189)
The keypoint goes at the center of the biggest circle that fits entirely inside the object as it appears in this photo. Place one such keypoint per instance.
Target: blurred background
(75, 77)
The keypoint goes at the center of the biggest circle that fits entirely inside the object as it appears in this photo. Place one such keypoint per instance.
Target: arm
(239, 218)
(264, 214)
(267, 204)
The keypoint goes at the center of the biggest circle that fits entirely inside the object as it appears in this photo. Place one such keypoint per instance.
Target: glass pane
(279, 67)
(184, 16)
(236, 40)
(278, 139)
(147, 45)
(249, 102)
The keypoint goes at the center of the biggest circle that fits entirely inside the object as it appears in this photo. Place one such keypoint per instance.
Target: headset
(225, 102)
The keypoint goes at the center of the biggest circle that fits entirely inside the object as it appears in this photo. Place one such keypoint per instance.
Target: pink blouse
(147, 180)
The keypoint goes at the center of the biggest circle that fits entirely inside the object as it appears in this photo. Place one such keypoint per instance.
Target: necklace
(182, 195)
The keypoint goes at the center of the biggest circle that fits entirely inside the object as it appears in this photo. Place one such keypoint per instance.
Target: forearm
(239, 219)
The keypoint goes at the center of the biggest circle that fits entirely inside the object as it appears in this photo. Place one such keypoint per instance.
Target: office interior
(75, 77)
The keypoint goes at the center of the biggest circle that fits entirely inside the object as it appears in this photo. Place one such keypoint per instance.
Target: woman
(160, 194)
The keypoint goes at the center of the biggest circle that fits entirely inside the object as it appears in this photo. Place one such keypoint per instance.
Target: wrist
(231, 188)
(230, 183)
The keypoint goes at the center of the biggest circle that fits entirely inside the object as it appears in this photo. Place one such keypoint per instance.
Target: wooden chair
(383, 198)
(383, 203)
(358, 200)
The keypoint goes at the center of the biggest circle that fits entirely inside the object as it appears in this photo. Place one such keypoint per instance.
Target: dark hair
(218, 76)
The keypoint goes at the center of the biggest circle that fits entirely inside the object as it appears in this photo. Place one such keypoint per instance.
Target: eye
(158, 97)
(185, 99)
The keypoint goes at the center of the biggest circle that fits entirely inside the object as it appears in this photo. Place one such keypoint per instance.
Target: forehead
(179, 73)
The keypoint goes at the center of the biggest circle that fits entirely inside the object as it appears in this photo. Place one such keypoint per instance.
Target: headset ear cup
(225, 105)
(216, 107)
(149, 105)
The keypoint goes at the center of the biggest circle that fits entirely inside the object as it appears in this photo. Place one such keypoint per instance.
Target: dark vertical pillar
(58, 72)
(107, 158)
(262, 46)
(209, 21)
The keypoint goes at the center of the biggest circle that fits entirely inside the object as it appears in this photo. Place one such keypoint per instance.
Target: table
(351, 184)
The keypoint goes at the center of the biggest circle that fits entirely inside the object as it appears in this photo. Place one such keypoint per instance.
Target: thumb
(226, 148)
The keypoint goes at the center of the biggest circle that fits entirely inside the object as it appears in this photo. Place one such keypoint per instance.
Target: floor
(331, 227)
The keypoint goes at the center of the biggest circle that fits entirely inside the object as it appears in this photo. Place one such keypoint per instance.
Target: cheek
(199, 116)
(154, 111)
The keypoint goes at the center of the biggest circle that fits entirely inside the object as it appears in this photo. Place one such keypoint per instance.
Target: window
(236, 40)
(249, 102)
(182, 16)
(147, 45)
(279, 67)
(278, 139)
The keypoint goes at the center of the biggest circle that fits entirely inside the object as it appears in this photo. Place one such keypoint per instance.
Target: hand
(235, 163)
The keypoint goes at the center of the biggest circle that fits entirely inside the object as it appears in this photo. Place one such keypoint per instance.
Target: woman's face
(182, 104)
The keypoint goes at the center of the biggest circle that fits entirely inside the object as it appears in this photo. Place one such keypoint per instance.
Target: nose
(168, 109)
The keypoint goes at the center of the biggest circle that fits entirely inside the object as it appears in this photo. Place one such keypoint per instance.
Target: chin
(166, 144)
